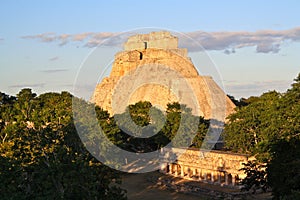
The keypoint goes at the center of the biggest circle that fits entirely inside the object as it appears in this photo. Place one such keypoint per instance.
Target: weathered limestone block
(160, 40)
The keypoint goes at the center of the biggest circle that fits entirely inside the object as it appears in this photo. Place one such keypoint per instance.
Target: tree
(143, 119)
(201, 132)
(45, 159)
(25, 105)
(284, 171)
(140, 128)
(256, 176)
(269, 129)
(253, 128)
(6, 99)
(238, 103)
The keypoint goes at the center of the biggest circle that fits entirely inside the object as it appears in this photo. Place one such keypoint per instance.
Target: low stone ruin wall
(214, 167)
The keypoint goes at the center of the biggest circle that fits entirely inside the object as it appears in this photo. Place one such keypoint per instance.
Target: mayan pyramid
(158, 51)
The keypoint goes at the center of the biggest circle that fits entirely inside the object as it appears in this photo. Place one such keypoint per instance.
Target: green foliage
(256, 176)
(269, 128)
(158, 128)
(139, 113)
(284, 169)
(251, 129)
(187, 128)
(239, 103)
(6, 99)
(41, 155)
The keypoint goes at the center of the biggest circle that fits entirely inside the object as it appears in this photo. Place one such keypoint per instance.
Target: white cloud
(44, 37)
(81, 36)
(89, 39)
(265, 41)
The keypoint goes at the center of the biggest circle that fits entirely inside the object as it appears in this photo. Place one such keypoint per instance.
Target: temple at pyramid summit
(170, 65)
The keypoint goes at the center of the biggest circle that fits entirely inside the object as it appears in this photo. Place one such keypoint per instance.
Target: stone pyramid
(169, 69)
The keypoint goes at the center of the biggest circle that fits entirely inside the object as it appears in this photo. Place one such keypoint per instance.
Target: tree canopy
(41, 155)
(158, 128)
(269, 128)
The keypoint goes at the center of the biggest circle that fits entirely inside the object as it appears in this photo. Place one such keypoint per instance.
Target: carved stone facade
(161, 49)
(214, 167)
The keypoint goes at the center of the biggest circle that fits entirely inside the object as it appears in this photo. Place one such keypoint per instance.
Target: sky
(44, 45)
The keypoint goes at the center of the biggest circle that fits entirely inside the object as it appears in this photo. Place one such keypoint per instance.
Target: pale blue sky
(35, 54)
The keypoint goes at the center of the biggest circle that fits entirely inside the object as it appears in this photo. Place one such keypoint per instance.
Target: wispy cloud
(50, 37)
(54, 70)
(90, 39)
(265, 41)
(44, 37)
(35, 85)
(1, 39)
(54, 58)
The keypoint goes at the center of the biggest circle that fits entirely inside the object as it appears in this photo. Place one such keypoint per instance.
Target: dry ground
(140, 186)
